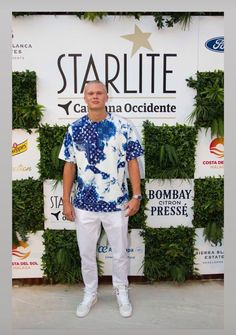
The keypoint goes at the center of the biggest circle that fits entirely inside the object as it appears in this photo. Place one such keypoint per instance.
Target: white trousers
(88, 229)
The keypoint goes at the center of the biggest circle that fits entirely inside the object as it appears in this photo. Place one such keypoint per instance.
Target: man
(101, 145)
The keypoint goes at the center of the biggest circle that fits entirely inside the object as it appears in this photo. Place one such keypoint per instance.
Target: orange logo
(19, 148)
(18, 253)
(217, 147)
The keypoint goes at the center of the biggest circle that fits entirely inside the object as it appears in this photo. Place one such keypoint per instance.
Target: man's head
(95, 95)
(91, 82)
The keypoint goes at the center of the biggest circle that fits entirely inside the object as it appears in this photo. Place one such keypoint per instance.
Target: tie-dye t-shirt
(100, 150)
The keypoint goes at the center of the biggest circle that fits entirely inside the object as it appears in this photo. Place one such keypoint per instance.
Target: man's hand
(132, 207)
(68, 211)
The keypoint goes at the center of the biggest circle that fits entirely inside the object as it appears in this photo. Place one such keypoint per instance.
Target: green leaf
(208, 207)
(27, 113)
(209, 101)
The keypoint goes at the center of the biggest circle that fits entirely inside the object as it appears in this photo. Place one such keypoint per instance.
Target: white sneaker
(123, 301)
(88, 301)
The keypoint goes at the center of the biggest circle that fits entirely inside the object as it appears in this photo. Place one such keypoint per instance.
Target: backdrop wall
(145, 70)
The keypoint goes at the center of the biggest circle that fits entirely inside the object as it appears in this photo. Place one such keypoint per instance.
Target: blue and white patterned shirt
(100, 150)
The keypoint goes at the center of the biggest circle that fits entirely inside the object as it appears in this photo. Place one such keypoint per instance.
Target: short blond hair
(96, 81)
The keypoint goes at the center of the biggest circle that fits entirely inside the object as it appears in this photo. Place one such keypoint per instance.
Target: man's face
(95, 96)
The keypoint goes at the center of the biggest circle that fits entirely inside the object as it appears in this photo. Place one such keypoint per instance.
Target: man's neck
(97, 116)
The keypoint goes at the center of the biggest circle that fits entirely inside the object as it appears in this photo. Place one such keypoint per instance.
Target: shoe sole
(126, 315)
(82, 316)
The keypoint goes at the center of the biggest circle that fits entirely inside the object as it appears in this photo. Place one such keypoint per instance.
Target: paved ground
(165, 305)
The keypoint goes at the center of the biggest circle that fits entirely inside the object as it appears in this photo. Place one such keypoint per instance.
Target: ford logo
(215, 44)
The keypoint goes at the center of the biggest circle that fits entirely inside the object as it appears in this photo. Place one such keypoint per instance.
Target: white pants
(88, 229)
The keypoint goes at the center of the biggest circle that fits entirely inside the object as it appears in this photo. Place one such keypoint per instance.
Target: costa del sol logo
(19, 148)
(16, 251)
(217, 147)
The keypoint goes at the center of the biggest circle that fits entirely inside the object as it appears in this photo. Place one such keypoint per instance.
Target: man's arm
(68, 180)
(134, 175)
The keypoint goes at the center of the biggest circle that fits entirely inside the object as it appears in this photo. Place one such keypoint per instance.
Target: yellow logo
(19, 148)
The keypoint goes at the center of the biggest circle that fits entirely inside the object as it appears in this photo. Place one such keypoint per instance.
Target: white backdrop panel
(209, 155)
(169, 203)
(209, 258)
(212, 57)
(147, 73)
(26, 259)
(25, 154)
(53, 206)
(136, 251)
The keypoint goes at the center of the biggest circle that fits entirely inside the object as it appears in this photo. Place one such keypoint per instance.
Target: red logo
(19, 251)
(217, 147)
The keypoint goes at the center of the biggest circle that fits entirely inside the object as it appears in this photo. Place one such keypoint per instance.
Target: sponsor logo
(217, 147)
(217, 244)
(56, 215)
(21, 168)
(215, 44)
(155, 69)
(19, 48)
(19, 148)
(139, 250)
(56, 209)
(171, 202)
(107, 248)
(21, 254)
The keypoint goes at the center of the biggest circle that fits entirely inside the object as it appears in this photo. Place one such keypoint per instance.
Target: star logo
(139, 39)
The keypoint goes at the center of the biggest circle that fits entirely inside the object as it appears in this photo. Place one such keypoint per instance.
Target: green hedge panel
(169, 151)
(27, 113)
(208, 207)
(24, 88)
(50, 141)
(27, 207)
(209, 101)
(61, 261)
(169, 253)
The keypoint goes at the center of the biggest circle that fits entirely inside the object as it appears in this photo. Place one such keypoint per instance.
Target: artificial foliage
(208, 207)
(209, 101)
(162, 19)
(167, 19)
(50, 141)
(169, 253)
(61, 261)
(27, 208)
(27, 113)
(169, 151)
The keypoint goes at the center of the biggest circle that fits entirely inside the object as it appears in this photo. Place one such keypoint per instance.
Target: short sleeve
(134, 148)
(67, 150)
